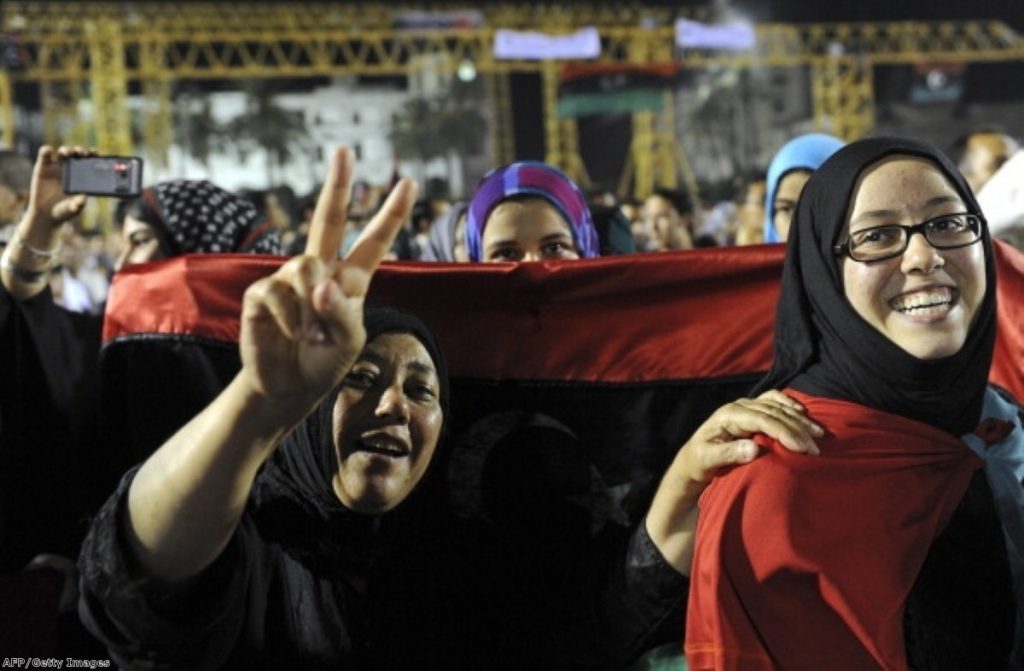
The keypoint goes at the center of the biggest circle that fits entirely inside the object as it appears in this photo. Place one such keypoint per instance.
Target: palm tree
(195, 128)
(448, 125)
(281, 133)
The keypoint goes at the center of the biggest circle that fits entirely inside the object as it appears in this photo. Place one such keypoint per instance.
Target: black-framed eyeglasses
(948, 231)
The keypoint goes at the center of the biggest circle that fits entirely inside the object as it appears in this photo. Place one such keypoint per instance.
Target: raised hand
(48, 205)
(302, 327)
(27, 260)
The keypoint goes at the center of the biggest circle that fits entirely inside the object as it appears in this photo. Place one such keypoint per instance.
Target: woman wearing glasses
(885, 549)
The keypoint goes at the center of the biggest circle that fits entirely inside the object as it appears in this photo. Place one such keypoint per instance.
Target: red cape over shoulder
(806, 562)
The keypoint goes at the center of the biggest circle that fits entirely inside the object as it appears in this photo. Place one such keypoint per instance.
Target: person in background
(668, 217)
(52, 457)
(50, 465)
(717, 216)
(1002, 200)
(305, 216)
(984, 151)
(96, 268)
(529, 211)
(447, 239)
(184, 216)
(69, 291)
(788, 171)
(613, 230)
(281, 206)
(750, 213)
(632, 210)
(422, 217)
(15, 179)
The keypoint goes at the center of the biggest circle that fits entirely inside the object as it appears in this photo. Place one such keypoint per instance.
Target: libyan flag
(609, 89)
(620, 358)
(573, 383)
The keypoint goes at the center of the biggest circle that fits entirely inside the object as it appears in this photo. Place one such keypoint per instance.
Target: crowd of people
(669, 218)
(847, 514)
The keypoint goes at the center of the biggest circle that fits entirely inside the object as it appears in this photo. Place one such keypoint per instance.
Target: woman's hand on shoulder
(726, 438)
(302, 327)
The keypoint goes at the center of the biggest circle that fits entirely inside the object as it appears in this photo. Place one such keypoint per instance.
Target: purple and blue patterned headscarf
(531, 178)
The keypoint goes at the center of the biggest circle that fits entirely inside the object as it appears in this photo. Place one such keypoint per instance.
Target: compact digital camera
(112, 176)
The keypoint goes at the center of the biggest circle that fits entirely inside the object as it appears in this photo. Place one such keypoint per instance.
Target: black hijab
(823, 347)
(294, 501)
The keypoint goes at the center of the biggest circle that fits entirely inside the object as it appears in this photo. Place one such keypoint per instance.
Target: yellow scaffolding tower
(503, 149)
(111, 43)
(6, 110)
(561, 135)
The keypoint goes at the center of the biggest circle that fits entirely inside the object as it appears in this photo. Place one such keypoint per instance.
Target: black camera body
(114, 176)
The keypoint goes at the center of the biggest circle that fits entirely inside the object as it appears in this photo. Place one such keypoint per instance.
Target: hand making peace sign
(302, 327)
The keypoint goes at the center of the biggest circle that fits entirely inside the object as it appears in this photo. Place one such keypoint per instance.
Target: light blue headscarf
(804, 152)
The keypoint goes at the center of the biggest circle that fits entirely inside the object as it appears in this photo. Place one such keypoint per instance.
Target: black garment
(304, 583)
(613, 230)
(823, 347)
(388, 603)
(380, 601)
(51, 474)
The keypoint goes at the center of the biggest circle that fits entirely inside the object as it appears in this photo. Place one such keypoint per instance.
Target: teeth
(921, 300)
(383, 446)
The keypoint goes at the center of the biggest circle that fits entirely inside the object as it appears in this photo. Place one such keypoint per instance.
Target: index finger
(327, 227)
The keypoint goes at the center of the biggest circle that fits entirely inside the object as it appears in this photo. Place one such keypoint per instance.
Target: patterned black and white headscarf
(197, 217)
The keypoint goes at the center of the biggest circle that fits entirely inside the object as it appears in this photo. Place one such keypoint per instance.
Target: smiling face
(924, 300)
(527, 229)
(387, 422)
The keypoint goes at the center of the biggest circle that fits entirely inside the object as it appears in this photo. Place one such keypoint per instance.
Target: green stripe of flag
(622, 102)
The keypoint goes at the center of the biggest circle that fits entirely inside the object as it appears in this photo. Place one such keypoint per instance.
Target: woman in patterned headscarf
(192, 217)
(529, 211)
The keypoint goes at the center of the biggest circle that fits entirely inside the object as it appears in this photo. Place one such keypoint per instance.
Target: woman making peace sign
(243, 543)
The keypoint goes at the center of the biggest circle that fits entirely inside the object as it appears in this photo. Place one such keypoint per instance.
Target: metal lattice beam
(161, 42)
(6, 111)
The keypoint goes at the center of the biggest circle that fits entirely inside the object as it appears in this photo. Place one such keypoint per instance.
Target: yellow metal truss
(111, 44)
(498, 91)
(6, 111)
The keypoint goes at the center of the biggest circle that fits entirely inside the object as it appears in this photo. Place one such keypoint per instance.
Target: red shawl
(806, 562)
